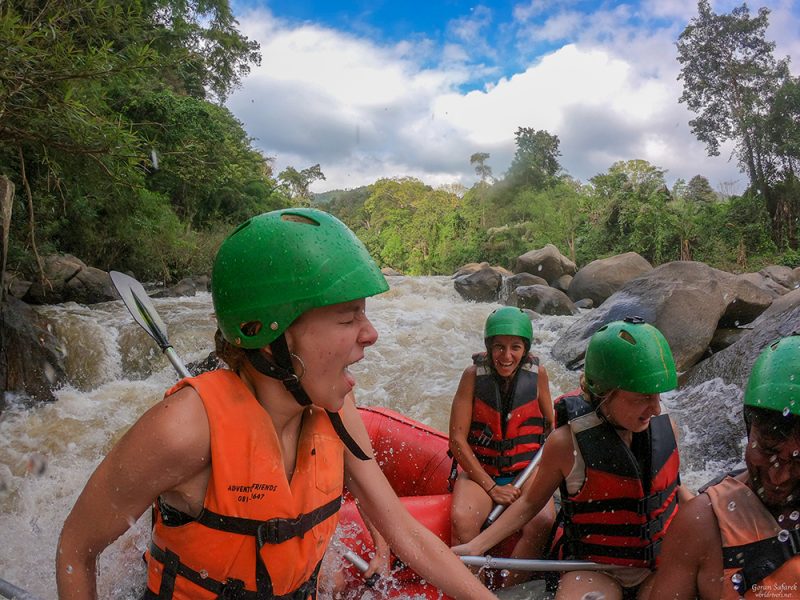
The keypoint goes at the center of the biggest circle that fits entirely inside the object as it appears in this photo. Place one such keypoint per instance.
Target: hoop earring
(302, 366)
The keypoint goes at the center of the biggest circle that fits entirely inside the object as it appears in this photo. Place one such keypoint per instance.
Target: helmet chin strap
(281, 369)
(604, 417)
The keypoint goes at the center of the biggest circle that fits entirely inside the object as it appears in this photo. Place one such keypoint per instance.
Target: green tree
(298, 182)
(730, 79)
(482, 170)
(535, 164)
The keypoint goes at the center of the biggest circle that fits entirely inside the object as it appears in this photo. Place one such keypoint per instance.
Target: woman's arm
(460, 420)
(411, 542)
(166, 449)
(557, 459)
(545, 400)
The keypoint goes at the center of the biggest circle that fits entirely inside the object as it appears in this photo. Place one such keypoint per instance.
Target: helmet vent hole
(627, 337)
(250, 328)
(299, 219)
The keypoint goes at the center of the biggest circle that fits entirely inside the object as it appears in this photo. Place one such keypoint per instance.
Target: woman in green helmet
(614, 459)
(244, 467)
(502, 411)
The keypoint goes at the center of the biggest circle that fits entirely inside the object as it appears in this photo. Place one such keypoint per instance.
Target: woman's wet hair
(233, 356)
(772, 424)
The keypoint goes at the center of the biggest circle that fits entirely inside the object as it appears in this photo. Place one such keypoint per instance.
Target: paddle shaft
(524, 564)
(518, 482)
(12, 592)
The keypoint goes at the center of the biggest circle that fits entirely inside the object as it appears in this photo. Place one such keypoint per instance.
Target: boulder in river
(686, 300)
(31, 358)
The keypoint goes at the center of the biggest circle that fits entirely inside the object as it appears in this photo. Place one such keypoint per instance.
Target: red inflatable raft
(414, 459)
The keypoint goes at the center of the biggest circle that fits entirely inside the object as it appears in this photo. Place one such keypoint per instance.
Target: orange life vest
(258, 536)
(759, 557)
(629, 495)
(505, 438)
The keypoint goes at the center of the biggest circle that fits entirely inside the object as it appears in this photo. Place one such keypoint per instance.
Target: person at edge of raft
(245, 466)
(502, 411)
(614, 457)
(740, 538)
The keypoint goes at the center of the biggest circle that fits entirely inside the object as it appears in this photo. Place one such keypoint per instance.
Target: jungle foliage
(113, 131)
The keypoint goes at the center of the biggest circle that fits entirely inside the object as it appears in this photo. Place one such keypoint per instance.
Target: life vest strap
(273, 531)
(643, 506)
(232, 589)
(509, 444)
(760, 559)
(647, 553)
(278, 530)
(643, 531)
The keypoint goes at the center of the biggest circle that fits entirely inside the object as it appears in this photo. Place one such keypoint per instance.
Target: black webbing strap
(581, 550)
(232, 589)
(643, 506)
(505, 445)
(345, 436)
(273, 531)
(760, 559)
(643, 531)
(282, 370)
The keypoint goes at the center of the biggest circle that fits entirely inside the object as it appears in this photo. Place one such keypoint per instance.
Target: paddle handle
(12, 592)
(524, 564)
(518, 482)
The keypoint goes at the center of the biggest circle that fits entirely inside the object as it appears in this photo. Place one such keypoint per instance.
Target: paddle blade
(141, 308)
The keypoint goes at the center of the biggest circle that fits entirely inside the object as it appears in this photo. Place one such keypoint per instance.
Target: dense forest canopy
(114, 134)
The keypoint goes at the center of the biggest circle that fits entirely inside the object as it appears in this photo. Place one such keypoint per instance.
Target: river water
(427, 335)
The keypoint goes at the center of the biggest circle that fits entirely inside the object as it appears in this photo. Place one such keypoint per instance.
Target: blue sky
(372, 89)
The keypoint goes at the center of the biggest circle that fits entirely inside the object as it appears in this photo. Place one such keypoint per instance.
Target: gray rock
(601, 278)
(31, 358)
(545, 300)
(548, 263)
(685, 300)
(482, 285)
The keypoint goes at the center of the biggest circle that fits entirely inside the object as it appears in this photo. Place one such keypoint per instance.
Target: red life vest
(629, 495)
(759, 557)
(505, 438)
(258, 536)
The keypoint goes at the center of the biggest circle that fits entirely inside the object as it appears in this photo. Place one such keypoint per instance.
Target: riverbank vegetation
(114, 134)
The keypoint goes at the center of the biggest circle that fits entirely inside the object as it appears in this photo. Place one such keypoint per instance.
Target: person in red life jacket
(244, 467)
(614, 458)
(500, 416)
(740, 538)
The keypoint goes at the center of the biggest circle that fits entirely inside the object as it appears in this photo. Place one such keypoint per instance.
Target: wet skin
(631, 411)
(507, 352)
(774, 468)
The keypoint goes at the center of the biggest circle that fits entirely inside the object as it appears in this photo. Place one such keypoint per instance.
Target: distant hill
(344, 204)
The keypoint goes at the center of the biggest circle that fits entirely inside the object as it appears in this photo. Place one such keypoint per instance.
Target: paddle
(518, 482)
(525, 564)
(144, 313)
(12, 592)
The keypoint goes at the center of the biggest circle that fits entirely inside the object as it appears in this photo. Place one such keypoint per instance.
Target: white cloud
(365, 111)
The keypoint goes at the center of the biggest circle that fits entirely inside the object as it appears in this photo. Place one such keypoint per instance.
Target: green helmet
(508, 320)
(278, 265)
(630, 355)
(774, 382)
